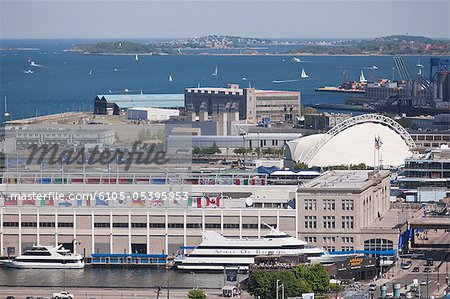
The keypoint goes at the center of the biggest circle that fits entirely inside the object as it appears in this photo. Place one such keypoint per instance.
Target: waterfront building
(324, 121)
(348, 210)
(253, 105)
(428, 178)
(340, 211)
(39, 135)
(353, 142)
(114, 104)
(151, 114)
(430, 139)
(250, 140)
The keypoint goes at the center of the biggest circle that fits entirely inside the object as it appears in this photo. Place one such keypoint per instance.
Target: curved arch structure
(356, 120)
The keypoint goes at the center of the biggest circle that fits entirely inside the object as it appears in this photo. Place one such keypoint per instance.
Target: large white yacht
(217, 252)
(46, 257)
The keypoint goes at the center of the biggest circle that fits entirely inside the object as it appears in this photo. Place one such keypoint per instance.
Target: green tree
(144, 135)
(309, 110)
(260, 285)
(335, 288)
(301, 166)
(197, 294)
(291, 284)
(316, 276)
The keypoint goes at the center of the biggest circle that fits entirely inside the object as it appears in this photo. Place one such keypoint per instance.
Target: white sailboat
(216, 72)
(136, 58)
(28, 72)
(90, 72)
(296, 59)
(362, 78)
(303, 75)
(170, 78)
(6, 109)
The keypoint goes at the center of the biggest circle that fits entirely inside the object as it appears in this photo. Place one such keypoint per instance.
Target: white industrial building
(151, 114)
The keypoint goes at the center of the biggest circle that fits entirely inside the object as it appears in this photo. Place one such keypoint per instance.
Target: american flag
(378, 142)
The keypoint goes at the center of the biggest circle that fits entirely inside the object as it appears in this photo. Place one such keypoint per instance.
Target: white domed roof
(353, 142)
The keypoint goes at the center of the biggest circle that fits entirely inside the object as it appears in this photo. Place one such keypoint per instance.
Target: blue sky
(276, 19)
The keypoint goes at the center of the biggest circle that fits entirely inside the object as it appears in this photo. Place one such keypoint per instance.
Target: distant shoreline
(254, 54)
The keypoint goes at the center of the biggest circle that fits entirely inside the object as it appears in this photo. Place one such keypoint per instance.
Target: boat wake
(285, 81)
(32, 63)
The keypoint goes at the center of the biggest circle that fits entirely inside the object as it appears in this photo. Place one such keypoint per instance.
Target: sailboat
(90, 72)
(136, 58)
(28, 72)
(170, 78)
(362, 78)
(6, 109)
(216, 72)
(303, 75)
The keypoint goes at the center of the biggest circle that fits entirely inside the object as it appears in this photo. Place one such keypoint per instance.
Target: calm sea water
(61, 81)
(112, 277)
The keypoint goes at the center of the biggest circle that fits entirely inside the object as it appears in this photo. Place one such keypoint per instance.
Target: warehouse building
(256, 106)
(151, 114)
(114, 104)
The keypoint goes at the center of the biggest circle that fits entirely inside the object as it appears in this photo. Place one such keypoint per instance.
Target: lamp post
(282, 289)
(195, 281)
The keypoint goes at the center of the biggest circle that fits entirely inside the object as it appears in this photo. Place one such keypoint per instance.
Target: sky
(250, 18)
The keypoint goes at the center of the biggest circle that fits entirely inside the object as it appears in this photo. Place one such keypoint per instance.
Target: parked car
(415, 269)
(423, 283)
(427, 269)
(63, 295)
(429, 262)
(372, 287)
(405, 265)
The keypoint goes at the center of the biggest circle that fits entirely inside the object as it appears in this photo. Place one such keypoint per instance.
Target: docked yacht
(46, 257)
(216, 252)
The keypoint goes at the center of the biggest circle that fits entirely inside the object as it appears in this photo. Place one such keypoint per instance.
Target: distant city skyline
(263, 19)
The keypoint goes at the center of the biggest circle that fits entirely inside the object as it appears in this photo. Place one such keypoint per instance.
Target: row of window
(137, 225)
(333, 248)
(34, 224)
(180, 225)
(329, 205)
(329, 222)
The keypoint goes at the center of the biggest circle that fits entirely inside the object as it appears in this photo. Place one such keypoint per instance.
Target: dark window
(157, 225)
(120, 224)
(193, 225)
(47, 224)
(176, 225)
(29, 224)
(137, 224)
(64, 224)
(11, 224)
(101, 224)
(212, 225)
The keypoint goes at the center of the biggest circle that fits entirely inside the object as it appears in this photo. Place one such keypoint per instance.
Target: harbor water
(62, 81)
(111, 277)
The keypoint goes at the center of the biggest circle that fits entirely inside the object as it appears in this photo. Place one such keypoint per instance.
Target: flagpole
(374, 153)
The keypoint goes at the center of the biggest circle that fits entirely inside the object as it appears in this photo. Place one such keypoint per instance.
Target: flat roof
(145, 100)
(342, 179)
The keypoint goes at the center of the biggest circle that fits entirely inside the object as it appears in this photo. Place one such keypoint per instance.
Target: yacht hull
(34, 265)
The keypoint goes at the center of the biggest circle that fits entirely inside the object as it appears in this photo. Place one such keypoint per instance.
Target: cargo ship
(347, 86)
